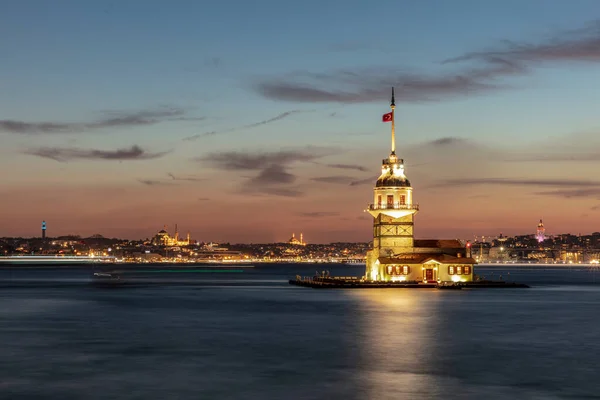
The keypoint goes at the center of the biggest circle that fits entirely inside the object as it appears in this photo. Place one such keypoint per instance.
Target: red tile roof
(420, 258)
(439, 243)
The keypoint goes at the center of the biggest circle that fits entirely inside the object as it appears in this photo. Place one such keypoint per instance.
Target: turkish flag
(388, 117)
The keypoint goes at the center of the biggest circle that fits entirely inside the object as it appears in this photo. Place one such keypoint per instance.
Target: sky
(249, 121)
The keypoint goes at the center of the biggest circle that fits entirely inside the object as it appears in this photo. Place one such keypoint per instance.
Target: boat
(106, 279)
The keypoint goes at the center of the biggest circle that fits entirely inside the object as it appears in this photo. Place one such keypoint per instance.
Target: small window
(379, 200)
(451, 270)
(390, 200)
(402, 199)
(390, 269)
(405, 270)
(397, 270)
(467, 270)
(459, 270)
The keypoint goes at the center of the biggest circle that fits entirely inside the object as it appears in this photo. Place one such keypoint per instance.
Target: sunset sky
(246, 121)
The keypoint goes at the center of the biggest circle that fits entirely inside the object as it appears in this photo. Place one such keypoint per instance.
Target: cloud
(520, 182)
(362, 85)
(374, 84)
(282, 192)
(135, 152)
(559, 157)
(581, 45)
(234, 161)
(447, 141)
(595, 208)
(152, 182)
(339, 179)
(319, 214)
(273, 174)
(248, 126)
(572, 193)
(348, 166)
(366, 181)
(111, 120)
(185, 178)
(203, 198)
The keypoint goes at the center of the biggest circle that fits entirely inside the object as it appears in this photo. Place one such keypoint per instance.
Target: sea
(245, 333)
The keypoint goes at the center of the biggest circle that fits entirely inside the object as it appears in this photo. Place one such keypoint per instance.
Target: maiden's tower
(396, 255)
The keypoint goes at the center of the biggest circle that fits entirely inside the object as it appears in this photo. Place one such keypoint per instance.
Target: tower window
(390, 201)
(402, 199)
(379, 200)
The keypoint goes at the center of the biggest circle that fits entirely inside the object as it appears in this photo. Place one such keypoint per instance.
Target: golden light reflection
(400, 333)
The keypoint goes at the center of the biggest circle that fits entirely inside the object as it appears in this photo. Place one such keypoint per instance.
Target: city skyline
(115, 118)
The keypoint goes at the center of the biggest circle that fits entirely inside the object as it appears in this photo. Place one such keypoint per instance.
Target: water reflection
(400, 330)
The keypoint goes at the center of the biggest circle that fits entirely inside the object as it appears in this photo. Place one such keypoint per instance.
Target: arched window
(390, 270)
(405, 269)
(451, 270)
(458, 270)
(467, 270)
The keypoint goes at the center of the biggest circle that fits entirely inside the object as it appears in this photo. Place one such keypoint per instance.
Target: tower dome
(392, 174)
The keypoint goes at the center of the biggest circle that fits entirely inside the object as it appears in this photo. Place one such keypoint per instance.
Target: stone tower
(392, 209)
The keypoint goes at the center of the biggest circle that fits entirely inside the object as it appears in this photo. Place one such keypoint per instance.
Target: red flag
(388, 117)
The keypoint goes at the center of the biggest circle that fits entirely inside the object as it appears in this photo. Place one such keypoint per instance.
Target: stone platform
(359, 283)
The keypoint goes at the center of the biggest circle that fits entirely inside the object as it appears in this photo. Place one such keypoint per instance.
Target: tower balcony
(395, 210)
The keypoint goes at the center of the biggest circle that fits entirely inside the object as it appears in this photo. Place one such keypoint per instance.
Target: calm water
(250, 335)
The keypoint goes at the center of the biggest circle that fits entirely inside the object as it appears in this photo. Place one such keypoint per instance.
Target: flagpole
(393, 106)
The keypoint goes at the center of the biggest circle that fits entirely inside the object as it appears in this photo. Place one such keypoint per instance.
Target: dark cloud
(66, 154)
(367, 85)
(249, 126)
(273, 174)
(111, 120)
(152, 182)
(185, 178)
(366, 181)
(563, 157)
(247, 161)
(488, 67)
(348, 166)
(319, 214)
(520, 182)
(282, 192)
(578, 45)
(340, 180)
(573, 193)
(447, 141)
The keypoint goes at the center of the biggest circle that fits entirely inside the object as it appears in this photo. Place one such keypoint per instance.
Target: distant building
(396, 255)
(540, 233)
(295, 241)
(162, 238)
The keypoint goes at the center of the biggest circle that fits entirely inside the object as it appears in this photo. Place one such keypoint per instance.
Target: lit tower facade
(393, 209)
(540, 233)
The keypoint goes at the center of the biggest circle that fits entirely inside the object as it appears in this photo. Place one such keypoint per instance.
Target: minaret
(189, 241)
(43, 230)
(301, 239)
(393, 210)
(176, 234)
